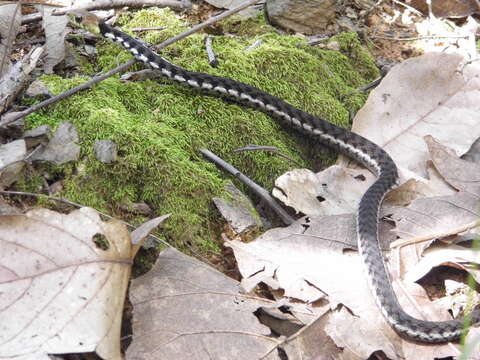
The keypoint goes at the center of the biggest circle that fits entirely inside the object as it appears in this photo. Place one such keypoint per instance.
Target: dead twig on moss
(272, 149)
(126, 65)
(257, 189)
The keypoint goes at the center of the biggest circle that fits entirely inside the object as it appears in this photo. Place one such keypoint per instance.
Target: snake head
(84, 20)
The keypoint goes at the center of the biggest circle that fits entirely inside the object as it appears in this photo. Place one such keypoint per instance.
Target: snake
(355, 146)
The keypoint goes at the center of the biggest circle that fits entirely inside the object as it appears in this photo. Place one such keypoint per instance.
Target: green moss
(159, 126)
(249, 27)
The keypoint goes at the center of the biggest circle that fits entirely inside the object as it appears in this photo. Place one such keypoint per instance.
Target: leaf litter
(425, 129)
(196, 312)
(59, 291)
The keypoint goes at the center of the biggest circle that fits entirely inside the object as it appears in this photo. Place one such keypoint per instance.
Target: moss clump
(159, 126)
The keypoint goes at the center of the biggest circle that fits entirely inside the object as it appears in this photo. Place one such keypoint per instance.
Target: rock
(7, 209)
(239, 211)
(12, 129)
(105, 151)
(62, 147)
(11, 165)
(305, 16)
(37, 136)
(137, 208)
(230, 4)
(38, 89)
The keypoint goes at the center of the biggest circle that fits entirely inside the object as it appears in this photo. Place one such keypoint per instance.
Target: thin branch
(152, 28)
(272, 149)
(418, 239)
(433, 37)
(371, 85)
(257, 189)
(74, 204)
(109, 4)
(126, 65)
(412, 9)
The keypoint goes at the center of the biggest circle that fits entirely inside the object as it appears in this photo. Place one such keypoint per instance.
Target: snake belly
(351, 144)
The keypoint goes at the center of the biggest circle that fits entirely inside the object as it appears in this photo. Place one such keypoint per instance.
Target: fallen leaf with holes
(184, 309)
(59, 291)
(309, 262)
(411, 123)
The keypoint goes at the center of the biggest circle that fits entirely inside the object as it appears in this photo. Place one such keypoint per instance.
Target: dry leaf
(461, 174)
(183, 309)
(308, 263)
(399, 113)
(55, 28)
(10, 21)
(301, 261)
(59, 292)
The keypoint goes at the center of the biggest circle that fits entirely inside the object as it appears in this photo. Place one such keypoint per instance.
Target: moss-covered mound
(160, 126)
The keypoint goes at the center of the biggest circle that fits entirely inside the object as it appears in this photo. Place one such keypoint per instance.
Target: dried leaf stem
(418, 239)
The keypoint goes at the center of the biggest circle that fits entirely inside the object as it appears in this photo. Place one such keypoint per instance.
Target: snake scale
(353, 145)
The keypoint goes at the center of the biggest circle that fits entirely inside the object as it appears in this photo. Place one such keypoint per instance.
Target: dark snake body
(345, 141)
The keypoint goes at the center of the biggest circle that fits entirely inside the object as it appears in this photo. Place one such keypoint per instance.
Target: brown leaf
(59, 292)
(184, 309)
(399, 112)
(461, 174)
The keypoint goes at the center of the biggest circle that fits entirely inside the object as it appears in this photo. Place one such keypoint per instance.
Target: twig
(273, 149)
(207, 23)
(257, 189)
(126, 65)
(433, 37)
(371, 85)
(418, 239)
(212, 60)
(109, 4)
(74, 204)
(72, 91)
(153, 28)
(412, 9)
(317, 40)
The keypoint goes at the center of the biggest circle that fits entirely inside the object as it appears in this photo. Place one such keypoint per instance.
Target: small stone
(137, 208)
(62, 147)
(333, 45)
(307, 17)
(56, 187)
(11, 165)
(39, 135)
(90, 50)
(12, 129)
(38, 89)
(239, 211)
(7, 209)
(105, 151)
